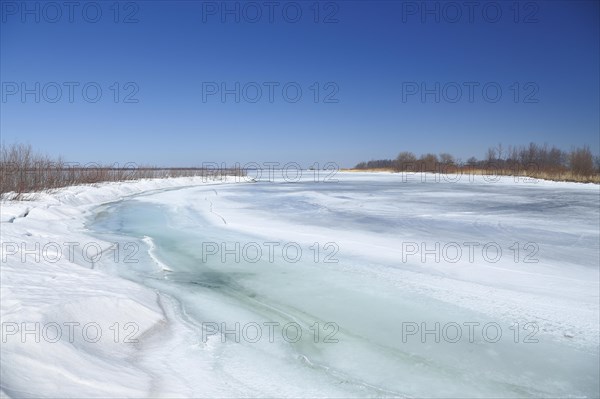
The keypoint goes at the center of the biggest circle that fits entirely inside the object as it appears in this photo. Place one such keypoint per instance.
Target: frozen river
(367, 286)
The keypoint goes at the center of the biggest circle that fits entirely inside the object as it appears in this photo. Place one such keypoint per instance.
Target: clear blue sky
(370, 58)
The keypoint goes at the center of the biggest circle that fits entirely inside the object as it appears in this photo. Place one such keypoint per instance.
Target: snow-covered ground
(49, 294)
(468, 288)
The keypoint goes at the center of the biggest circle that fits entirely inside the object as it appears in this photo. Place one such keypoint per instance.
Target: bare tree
(405, 160)
(500, 151)
(582, 161)
(491, 154)
(446, 158)
(428, 162)
(472, 161)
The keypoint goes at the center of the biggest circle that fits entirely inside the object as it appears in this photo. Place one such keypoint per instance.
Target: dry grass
(368, 170)
(23, 171)
(565, 176)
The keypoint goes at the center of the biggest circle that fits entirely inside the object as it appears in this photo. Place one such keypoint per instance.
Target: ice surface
(176, 290)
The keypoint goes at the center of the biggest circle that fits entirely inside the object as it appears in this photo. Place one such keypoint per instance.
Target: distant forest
(533, 160)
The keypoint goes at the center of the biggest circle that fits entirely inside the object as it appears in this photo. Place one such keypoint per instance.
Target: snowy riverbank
(74, 346)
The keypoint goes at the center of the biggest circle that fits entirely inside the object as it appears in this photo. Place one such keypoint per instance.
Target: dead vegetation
(532, 161)
(24, 171)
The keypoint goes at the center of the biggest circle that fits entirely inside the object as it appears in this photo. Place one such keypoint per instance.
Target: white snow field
(374, 285)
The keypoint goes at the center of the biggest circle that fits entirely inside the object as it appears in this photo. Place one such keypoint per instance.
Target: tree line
(534, 160)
